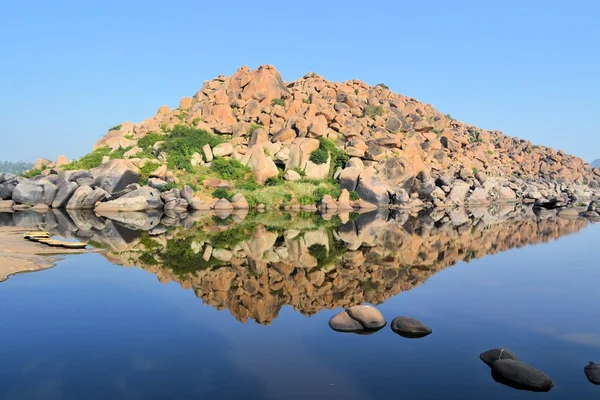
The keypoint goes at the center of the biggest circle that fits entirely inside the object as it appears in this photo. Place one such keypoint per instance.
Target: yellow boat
(74, 245)
(36, 234)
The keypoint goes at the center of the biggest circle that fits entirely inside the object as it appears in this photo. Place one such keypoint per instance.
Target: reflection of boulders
(490, 356)
(592, 372)
(519, 375)
(254, 266)
(342, 322)
(409, 327)
(368, 316)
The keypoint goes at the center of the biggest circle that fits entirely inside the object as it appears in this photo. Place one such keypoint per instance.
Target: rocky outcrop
(115, 175)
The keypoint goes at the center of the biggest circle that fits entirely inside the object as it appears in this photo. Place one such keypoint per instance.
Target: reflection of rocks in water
(592, 372)
(519, 375)
(253, 265)
(410, 327)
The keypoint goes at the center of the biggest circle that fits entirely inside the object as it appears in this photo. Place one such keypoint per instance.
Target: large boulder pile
(402, 152)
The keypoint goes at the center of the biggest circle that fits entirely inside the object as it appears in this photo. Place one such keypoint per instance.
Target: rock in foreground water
(519, 375)
(369, 317)
(592, 372)
(342, 322)
(490, 356)
(410, 327)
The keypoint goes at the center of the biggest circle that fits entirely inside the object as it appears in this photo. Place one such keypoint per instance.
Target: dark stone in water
(519, 375)
(490, 356)
(409, 327)
(592, 372)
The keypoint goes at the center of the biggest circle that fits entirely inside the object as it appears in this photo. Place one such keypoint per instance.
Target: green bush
(328, 148)
(475, 171)
(145, 172)
(221, 193)
(354, 195)
(31, 173)
(183, 141)
(150, 140)
(373, 111)
(115, 128)
(230, 168)
(450, 117)
(89, 161)
(169, 186)
(182, 116)
(383, 85)
(196, 120)
(319, 156)
(278, 102)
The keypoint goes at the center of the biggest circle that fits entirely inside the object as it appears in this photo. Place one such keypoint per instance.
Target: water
(256, 326)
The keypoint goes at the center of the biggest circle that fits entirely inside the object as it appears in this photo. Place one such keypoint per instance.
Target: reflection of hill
(255, 266)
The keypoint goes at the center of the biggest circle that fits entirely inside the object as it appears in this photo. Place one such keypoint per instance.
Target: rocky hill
(253, 140)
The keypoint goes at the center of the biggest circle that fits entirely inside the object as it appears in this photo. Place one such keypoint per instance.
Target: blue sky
(71, 69)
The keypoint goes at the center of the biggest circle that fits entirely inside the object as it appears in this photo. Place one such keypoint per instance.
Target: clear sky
(71, 69)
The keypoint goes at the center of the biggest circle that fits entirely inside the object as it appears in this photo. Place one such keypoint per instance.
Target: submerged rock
(519, 375)
(592, 371)
(490, 356)
(368, 316)
(409, 327)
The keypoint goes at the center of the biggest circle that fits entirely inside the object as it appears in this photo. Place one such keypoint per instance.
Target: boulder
(328, 203)
(342, 322)
(368, 316)
(157, 184)
(170, 195)
(151, 195)
(64, 193)
(519, 375)
(28, 193)
(186, 193)
(176, 206)
(300, 150)
(370, 188)
(239, 202)
(79, 197)
(223, 204)
(490, 356)
(61, 160)
(130, 204)
(343, 202)
(291, 175)
(97, 194)
(459, 192)
(592, 372)
(198, 205)
(222, 150)
(261, 165)
(41, 163)
(409, 327)
(115, 175)
(7, 188)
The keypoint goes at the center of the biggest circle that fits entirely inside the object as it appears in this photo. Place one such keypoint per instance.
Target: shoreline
(18, 255)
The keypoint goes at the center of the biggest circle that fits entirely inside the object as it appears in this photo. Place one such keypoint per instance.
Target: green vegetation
(326, 149)
(474, 135)
(196, 120)
(145, 172)
(475, 171)
(183, 141)
(356, 91)
(490, 152)
(221, 193)
(115, 128)
(89, 161)
(450, 117)
(16, 168)
(383, 85)
(182, 116)
(354, 196)
(278, 102)
(230, 168)
(32, 173)
(373, 111)
(150, 140)
(254, 127)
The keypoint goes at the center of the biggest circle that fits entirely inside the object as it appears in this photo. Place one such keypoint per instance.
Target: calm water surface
(151, 318)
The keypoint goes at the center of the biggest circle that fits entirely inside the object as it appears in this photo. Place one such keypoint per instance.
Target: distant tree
(15, 167)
